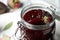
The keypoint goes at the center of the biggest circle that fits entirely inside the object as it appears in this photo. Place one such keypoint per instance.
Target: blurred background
(15, 17)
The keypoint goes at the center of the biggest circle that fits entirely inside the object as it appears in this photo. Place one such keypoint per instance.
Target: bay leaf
(8, 26)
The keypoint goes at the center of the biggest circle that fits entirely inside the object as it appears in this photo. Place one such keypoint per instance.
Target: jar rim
(33, 6)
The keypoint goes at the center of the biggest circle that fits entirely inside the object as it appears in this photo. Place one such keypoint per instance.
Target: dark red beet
(36, 17)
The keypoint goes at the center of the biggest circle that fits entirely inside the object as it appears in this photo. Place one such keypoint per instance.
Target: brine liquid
(38, 17)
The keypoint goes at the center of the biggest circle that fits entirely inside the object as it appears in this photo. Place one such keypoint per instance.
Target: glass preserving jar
(37, 22)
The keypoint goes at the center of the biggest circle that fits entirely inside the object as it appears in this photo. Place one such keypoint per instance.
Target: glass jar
(37, 30)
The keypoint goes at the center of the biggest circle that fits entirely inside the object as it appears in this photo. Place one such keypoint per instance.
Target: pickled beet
(36, 16)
